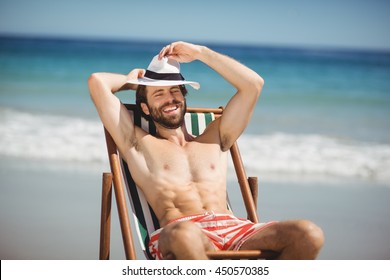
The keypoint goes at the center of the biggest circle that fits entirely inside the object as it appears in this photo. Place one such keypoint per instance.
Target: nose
(173, 97)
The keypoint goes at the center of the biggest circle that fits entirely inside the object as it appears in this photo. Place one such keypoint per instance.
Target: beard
(170, 122)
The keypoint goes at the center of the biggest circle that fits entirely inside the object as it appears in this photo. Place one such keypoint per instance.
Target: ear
(145, 108)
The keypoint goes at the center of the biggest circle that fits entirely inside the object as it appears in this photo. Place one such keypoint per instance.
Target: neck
(179, 136)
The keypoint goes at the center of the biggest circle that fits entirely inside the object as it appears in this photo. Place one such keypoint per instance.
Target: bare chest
(195, 162)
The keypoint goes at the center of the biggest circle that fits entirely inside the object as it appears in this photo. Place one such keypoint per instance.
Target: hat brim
(150, 82)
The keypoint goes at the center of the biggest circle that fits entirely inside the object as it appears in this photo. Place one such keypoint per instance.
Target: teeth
(169, 109)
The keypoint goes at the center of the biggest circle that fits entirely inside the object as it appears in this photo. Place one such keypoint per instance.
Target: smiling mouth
(170, 109)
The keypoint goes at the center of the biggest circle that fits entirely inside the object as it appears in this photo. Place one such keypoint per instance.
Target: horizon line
(219, 43)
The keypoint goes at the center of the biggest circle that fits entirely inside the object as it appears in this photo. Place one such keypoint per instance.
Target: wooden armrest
(243, 254)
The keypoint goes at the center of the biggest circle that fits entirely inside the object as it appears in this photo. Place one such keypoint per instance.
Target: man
(184, 177)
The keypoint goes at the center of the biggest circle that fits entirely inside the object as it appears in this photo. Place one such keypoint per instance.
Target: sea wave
(315, 155)
(77, 140)
(50, 137)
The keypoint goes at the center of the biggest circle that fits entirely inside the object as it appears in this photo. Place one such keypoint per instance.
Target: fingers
(141, 73)
(180, 51)
(136, 73)
(173, 50)
(166, 51)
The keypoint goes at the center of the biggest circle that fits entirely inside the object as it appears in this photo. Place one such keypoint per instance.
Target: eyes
(161, 93)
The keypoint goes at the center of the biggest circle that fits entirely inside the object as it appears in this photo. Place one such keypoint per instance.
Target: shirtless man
(184, 177)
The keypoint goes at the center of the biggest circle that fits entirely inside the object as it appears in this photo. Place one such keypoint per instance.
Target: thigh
(180, 235)
(273, 237)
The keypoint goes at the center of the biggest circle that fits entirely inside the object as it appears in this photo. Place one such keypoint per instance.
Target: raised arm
(113, 114)
(248, 83)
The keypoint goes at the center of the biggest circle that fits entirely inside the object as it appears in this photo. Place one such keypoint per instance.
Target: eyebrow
(175, 87)
(156, 91)
(160, 89)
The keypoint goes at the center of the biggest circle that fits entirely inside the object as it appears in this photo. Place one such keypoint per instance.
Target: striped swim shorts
(225, 231)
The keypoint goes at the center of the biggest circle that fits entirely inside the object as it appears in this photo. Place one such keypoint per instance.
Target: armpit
(226, 142)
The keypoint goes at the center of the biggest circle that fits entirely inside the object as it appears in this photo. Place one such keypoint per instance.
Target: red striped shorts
(226, 232)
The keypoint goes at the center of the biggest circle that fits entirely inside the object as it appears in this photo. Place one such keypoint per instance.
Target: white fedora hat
(164, 72)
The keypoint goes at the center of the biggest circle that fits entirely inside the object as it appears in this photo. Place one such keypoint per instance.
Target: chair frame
(248, 186)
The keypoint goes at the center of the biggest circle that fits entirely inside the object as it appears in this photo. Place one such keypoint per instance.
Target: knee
(310, 234)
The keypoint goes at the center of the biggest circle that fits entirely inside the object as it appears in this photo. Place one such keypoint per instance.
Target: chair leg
(105, 222)
(254, 187)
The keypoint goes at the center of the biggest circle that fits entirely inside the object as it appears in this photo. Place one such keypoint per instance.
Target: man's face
(166, 106)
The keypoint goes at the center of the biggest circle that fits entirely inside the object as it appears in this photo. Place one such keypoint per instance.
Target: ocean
(319, 141)
(323, 113)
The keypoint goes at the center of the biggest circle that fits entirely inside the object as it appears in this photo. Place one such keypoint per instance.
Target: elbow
(258, 84)
(93, 83)
(93, 80)
(261, 82)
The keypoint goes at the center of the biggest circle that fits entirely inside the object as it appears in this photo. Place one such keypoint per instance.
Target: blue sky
(313, 23)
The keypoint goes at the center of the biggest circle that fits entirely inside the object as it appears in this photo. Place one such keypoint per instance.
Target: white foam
(77, 140)
(51, 137)
(315, 155)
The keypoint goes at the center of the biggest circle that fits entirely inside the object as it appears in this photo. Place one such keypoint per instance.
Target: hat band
(163, 76)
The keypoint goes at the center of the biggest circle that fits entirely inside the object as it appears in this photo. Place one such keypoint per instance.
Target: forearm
(112, 112)
(237, 74)
(238, 111)
(240, 76)
(109, 81)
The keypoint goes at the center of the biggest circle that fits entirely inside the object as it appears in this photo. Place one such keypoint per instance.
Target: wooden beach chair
(144, 219)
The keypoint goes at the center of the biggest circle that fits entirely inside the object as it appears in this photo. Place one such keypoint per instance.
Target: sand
(51, 210)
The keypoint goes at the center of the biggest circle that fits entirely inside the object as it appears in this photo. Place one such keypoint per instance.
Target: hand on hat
(135, 74)
(180, 51)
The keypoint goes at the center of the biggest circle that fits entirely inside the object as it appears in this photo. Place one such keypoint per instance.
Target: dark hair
(140, 97)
